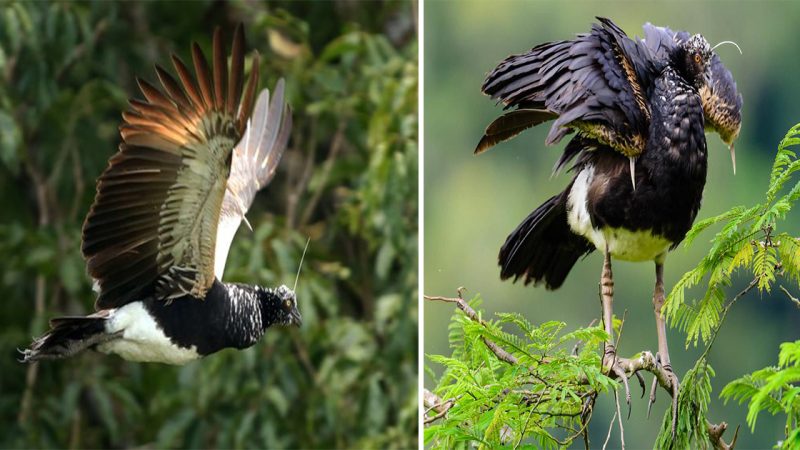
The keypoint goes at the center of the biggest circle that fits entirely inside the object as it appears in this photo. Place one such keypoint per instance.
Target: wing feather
(153, 225)
(589, 84)
(255, 160)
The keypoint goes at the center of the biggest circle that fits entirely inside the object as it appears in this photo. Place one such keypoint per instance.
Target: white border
(420, 213)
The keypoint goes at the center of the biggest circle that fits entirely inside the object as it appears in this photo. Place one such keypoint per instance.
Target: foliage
(541, 399)
(347, 378)
(773, 389)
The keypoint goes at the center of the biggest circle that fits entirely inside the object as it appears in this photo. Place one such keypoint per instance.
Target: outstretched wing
(152, 228)
(255, 159)
(590, 84)
(722, 102)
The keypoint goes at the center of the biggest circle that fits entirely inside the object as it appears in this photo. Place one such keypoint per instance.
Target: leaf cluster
(750, 242)
(775, 390)
(543, 401)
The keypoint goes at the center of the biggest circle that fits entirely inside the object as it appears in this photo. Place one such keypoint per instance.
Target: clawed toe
(611, 362)
(674, 387)
(675, 390)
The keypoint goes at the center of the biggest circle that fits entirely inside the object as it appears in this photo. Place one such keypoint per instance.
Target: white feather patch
(142, 339)
(623, 244)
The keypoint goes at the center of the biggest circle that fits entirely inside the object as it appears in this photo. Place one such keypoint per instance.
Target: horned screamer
(193, 155)
(639, 110)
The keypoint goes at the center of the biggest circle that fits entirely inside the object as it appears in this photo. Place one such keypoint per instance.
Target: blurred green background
(348, 377)
(473, 202)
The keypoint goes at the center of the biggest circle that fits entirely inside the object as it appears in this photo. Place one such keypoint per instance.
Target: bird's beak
(296, 319)
(733, 157)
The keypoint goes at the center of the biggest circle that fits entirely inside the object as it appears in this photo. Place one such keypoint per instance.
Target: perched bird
(193, 155)
(638, 110)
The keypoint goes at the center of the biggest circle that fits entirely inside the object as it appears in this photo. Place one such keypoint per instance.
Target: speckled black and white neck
(231, 316)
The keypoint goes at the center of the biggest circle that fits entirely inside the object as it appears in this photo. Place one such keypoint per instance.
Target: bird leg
(610, 352)
(662, 357)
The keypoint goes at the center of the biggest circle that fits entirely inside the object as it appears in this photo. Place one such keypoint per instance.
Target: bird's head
(722, 103)
(693, 60)
(284, 304)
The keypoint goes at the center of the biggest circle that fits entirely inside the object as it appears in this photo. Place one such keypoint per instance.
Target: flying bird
(193, 155)
(637, 110)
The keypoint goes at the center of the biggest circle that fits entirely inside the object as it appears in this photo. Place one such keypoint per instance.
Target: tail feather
(543, 248)
(68, 336)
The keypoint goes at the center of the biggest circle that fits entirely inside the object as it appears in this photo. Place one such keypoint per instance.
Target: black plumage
(232, 315)
(638, 110)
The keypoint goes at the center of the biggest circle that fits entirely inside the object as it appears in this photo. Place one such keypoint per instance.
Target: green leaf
(10, 141)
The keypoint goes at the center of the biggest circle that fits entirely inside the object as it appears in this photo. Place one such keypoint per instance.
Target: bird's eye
(287, 304)
(697, 58)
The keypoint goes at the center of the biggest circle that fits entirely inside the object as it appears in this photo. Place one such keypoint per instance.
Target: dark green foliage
(348, 181)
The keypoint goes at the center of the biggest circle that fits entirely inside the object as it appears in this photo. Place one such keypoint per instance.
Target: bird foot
(620, 368)
(670, 380)
(624, 368)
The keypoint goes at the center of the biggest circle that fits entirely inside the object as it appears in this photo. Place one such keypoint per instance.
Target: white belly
(622, 244)
(142, 340)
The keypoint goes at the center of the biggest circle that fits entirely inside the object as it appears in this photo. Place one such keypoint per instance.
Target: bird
(637, 110)
(194, 152)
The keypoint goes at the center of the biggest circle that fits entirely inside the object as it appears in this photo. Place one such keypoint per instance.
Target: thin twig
(434, 403)
(619, 419)
(791, 297)
(610, 426)
(461, 303)
(435, 418)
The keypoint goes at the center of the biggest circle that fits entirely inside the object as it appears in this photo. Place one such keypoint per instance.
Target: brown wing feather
(152, 228)
(587, 84)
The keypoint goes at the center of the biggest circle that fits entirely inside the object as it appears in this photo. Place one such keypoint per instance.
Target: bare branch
(791, 297)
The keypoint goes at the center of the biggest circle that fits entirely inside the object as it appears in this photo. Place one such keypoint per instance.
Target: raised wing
(255, 159)
(590, 84)
(152, 228)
